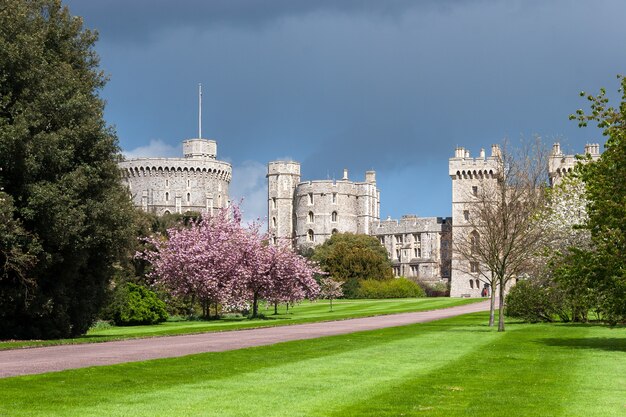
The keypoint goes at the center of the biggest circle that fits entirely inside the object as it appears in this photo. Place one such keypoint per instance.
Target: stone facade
(196, 182)
(468, 175)
(309, 212)
(419, 247)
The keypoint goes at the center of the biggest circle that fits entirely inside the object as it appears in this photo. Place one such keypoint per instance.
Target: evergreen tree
(71, 220)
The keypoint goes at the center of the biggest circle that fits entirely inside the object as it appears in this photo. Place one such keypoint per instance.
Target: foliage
(352, 258)
(439, 289)
(606, 193)
(69, 217)
(136, 305)
(219, 261)
(394, 288)
(534, 302)
(330, 289)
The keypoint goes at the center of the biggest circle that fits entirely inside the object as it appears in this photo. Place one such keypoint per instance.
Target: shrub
(437, 289)
(393, 288)
(136, 305)
(534, 301)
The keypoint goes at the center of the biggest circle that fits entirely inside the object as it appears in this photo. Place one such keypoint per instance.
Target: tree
(504, 234)
(352, 258)
(222, 262)
(58, 161)
(606, 193)
(330, 289)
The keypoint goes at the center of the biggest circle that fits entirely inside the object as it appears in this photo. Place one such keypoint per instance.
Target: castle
(196, 182)
(309, 212)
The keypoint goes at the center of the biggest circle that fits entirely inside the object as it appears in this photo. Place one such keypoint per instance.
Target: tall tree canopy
(352, 258)
(606, 208)
(69, 215)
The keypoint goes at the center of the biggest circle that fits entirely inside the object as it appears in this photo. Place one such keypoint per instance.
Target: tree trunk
(492, 307)
(331, 304)
(501, 307)
(216, 312)
(275, 309)
(255, 305)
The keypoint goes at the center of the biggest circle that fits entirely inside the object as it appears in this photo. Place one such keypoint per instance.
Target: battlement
(200, 148)
(560, 165)
(462, 165)
(283, 167)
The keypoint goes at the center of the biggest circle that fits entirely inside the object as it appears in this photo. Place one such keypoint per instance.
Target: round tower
(282, 179)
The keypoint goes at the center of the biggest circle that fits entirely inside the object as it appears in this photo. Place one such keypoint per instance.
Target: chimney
(467, 154)
(482, 153)
(556, 148)
(459, 153)
(345, 174)
(495, 151)
(370, 176)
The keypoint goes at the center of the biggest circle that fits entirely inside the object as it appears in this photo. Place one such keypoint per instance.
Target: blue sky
(390, 85)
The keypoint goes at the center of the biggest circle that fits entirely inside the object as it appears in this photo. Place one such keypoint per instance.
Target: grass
(306, 312)
(452, 367)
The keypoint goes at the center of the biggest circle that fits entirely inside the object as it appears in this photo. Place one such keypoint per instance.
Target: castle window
(274, 222)
(398, 239)
(414, 270)
(335, 231)
(417, 252)
(310, 236)
(474, 268)
(188, 183)
(188, 197)
(396, 271)
(311, 217)
(167, 196)
(167, 183)
(275, 240)
(475, 191)
(416, 238)
(310, 198)
(466, 215)
(334, 198)
(474, 242)
(273, 202)
(471, 283)
(382, 240)
(166, 212)
(398, 253)
(333, 217)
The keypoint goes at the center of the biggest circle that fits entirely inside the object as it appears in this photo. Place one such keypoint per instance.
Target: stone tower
(282, 179)
(469, 176)
(560, 165)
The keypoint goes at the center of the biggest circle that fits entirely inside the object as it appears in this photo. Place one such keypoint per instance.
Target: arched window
(310, 198)
(310, 236)
(273, 221)
(335, 231)
(474, 241)
(166, 212)
(471, 283)
(333, 217)
(311, 217)
(273, 202)
(167, 196)
(188, 197)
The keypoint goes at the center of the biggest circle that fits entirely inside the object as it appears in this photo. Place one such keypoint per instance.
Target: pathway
(57, 358)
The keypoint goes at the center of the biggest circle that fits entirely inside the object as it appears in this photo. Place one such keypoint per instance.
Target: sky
(392, 85)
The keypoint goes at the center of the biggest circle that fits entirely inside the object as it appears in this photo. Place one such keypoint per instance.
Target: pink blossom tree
(219, 261)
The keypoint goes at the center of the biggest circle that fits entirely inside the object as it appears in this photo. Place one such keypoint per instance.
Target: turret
(282, 179)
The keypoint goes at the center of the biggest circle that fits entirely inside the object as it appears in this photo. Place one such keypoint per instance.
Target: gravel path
(57, 358)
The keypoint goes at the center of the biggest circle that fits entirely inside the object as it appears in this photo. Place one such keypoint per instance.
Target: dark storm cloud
(140, 19)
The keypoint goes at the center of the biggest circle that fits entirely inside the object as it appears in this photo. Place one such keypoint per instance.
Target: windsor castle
(307, 213)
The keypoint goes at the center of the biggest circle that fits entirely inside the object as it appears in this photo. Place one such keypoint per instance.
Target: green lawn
(306, 312)
(452, 367)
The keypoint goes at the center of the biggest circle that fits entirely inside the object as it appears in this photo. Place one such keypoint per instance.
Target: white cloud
(155, 149)
(249, 185)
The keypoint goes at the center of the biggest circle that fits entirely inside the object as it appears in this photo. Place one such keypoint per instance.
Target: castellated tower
(198, 182)
(310, 212)
(282, 179)
(560, 165)
(469, 176)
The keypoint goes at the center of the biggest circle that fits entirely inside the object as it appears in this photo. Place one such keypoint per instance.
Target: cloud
(155, 149)
(249, 185)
